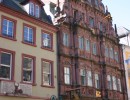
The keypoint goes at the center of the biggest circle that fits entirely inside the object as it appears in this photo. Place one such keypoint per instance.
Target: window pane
(67, 75)
(46, 40)
(37, 11)
(47, 75)
(31, 9)
(89, 78)
(4, 72)
(5, 59)
(27, 69)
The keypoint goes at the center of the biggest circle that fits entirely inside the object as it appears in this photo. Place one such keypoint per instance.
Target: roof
(16, 5)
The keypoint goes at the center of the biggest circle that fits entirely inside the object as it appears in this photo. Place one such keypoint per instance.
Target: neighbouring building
(90, 57)
(28, 51)
(126, 52)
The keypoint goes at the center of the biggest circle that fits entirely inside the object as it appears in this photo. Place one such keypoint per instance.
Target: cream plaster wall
(39, 53)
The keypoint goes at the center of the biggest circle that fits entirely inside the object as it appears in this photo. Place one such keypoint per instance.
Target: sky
(120, 11)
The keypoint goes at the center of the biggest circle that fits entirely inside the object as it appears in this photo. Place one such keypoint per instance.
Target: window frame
(34, 35)
(52, 73)
(109, 86)
(34, 9)
(68, 74)
(83, 75)
(81, 42)
(91, 22)
(88, 79)
(66, 39)
(12, 71)
(97, 84)
(51, 43)
(88, 44)
(94, 48)
(14, 28)
(33, 82)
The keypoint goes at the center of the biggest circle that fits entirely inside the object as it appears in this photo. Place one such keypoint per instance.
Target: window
(34, 10)
(31, 9)
(8, 28)
(37, 12)
(94, 49)
(89, 1)
(47, 40)
(47, 73)
(96, 2)
(28, 68)
(87, 45)
(116, 56)
(114, 83)
(7, 58)
(83, 76)
(97, 81)
(91, 22)
(109, 82)
(29, 35)
(65, 39)
(67, 75)
(119, 84)
(89, 75)
(81, 43)
(106, 51)
(111, 53)
(100, 26)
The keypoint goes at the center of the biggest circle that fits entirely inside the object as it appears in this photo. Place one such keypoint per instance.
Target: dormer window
(34, 10)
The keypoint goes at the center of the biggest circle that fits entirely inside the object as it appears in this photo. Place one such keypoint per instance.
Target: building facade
(90, 57)
(28, 51)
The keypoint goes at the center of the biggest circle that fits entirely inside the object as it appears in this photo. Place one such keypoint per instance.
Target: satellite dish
(53, 97)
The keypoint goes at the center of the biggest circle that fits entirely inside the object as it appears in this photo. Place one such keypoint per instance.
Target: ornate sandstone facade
(90, 56)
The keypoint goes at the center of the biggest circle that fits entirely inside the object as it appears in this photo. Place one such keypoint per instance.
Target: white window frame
(114, 81)
(7, 65)
(94, 48)
(7, 26)
(66, 75)
(65, 39)
(116, 56)
(81, 42)
(37, 11)
(119, 84)
(30, 69)
(87, 45)
(48, 83)
(83, 76)
(109, 82)
(89, 78)
(27, 39)
(111, 53)
(31, 9)
(97, 81)
(46, 42)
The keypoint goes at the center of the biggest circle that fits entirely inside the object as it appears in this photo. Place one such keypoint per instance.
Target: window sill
(33, 84)
(9, 38)
(47, 49)
(6, 80)
(47, 86)
(34, 45)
